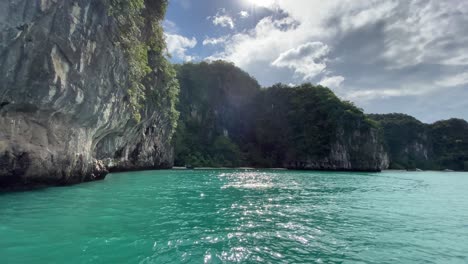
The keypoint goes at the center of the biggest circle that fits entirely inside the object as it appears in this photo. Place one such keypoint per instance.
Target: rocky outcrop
(406, 140)
(227, 120)
(360, 149)
(66, 114)
(214, 114)
(309, 128)
(449, 146)
(412, 144)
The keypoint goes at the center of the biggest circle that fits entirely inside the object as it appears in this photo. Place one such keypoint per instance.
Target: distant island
(227, 119)
(86, 89)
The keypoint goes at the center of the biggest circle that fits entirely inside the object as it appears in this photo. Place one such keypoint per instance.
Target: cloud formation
(333, 82)
(215, 41)
(244, 14)
(306, 59)
(170, 27)
(178, 45)
(222, 19)
(455, 80)
(383, 49)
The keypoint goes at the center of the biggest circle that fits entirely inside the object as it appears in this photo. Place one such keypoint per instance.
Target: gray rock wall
(357, 150)
(65, 115)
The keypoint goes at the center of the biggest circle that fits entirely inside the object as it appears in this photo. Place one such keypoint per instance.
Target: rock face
(449, 140)
(412, 144)
(305, 127)
(360, 150)
(407, 141)
(214, 114)
(65, 111)
(308, 127)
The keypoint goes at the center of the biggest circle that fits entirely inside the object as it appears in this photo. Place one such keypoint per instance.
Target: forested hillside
(215, 113)
(227, 120)
(450, 144)
(412, 144)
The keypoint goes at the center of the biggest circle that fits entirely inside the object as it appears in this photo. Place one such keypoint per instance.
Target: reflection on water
(248, 180)
(242, 216)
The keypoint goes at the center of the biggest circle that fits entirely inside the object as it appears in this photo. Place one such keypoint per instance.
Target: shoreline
(225, 168)
(40, 186)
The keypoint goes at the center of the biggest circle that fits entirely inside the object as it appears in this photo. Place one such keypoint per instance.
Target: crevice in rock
(3, 104)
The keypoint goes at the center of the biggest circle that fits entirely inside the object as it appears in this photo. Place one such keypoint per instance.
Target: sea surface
(241, 216)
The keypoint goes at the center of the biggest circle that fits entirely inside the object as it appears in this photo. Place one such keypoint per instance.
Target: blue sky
(407, 56)
(194, 19)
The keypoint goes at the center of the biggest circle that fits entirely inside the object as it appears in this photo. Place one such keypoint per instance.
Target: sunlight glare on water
(241, 216)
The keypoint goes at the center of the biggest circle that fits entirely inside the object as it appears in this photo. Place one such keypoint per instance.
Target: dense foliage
(450, 144)
(406, 141)
(151, 78)
(213, 102)
(298, 123)
(227, 120)
(412, 144)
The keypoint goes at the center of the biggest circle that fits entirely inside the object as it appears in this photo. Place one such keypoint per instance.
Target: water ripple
(240, 216)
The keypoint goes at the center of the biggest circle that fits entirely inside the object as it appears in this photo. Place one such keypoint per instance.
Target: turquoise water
(230, 216)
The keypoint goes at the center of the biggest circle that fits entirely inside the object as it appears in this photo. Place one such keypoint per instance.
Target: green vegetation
(299, 123)
(227, 120)
(213, 100)
(412, 144)
(450, 144)
(406, 141)
(151, 78)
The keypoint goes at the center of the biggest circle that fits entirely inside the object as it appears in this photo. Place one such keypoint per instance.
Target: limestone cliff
(74, 102)
(412, 144)
(309, 127)
(214, 114)
(303, 127)
(407, 141)
(358, 150)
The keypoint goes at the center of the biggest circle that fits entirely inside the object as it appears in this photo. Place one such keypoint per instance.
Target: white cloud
(265, 3)
(455, 80)
(215, 41)
(410, 89)
(258, 47)
(364, 95)
(413, 31)
(332, 82)
(428, 32)
(222, 19)
(306, 59)
(388, 93)
(387, 49)
(244, 14)
(170, 27)
(178, 45)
